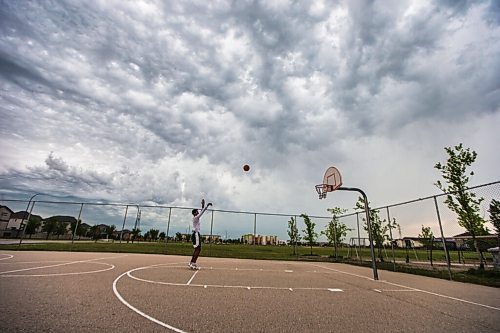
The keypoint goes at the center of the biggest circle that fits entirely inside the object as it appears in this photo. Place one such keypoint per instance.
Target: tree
(136, 232)
(464, 203)
(49, 226)
(162, 236)
(178, 236)
(495, 217)
(335, 231)
(32, 225)
(61, 228)
(293, 233)
(427, 239)
(110, 231)
(95, 232)
(379, 227)
(153, 233)
(310, 235)
(81, 230)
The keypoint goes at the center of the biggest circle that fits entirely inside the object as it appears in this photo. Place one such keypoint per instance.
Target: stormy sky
(163, 102)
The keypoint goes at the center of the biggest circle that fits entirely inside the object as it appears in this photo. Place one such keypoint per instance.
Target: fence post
(254, 228)
(442, 238)
(27, 222)
(392, 240)
(211, 235)
(76, 226)
(360, 256)
(123, 226)
(22, 220)
(168, 224)
(295, 238)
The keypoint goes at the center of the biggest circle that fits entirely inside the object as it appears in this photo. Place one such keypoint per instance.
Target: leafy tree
(49, 226)
(81, 230)
(162, 236)
(32, 225)
(95, 232)
(335, 230)
(61, 228)
(464, 203)
(110, 230)
(293, 233)
(427, 239)
(153, 233)
(136, 232)
(178, 236)
(379, 226)
(495, 217)
(310, 235)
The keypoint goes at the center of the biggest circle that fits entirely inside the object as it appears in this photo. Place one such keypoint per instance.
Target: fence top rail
(160, 206)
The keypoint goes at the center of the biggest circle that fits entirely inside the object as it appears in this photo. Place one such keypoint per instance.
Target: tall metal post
(359, 238)
(29, 215)
(123, 226)
(442, 238)
(168, 224)
(295, 238)
(392, 240)
(76, 225)
(369, 224)
(254, 229)
(211, 231)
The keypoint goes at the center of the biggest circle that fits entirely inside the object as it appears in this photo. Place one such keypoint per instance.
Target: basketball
(246, 167)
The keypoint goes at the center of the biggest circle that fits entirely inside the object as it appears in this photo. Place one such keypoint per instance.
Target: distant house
(17, 222)
(5, 213)
(463, 238)
(408, 242)
(259, 239)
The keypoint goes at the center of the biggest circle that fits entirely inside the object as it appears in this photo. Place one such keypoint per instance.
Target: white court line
(129, 274)
(57, 265)
(413, 289)
(336, 270)
(444, 296)
(61, 274)
(191, 279)
(139, 312)
(11, 256)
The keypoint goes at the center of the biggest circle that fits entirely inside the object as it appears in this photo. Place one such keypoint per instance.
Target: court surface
(112, 292)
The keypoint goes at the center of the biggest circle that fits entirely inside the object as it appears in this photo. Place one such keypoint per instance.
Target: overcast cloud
(162, 102)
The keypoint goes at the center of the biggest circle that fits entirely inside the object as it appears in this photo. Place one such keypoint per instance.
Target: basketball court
(65, 291)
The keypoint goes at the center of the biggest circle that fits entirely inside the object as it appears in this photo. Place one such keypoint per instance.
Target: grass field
(418, 259)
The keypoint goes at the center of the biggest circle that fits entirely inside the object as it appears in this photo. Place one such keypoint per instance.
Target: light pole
(29, 215)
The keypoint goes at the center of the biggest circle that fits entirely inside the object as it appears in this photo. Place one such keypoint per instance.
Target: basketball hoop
(332, 180)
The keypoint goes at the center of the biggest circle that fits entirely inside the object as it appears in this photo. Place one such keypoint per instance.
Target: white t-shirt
(196, 220)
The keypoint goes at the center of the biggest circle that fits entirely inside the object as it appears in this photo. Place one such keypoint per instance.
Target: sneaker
(193, 266)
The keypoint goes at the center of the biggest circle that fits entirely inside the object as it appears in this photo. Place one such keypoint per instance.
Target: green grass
(268, 252)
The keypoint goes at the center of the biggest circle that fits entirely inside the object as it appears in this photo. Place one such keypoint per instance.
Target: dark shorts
(195, 237)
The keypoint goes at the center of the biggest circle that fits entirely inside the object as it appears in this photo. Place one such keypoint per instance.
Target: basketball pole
(368, 223)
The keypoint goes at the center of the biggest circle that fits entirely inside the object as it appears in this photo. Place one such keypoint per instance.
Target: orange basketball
(246, 167)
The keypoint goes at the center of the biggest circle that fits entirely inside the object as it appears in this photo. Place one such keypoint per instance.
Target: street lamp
(29, 215)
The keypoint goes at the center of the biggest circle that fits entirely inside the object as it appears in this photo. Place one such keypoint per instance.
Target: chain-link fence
(426, 232)
(421, 232)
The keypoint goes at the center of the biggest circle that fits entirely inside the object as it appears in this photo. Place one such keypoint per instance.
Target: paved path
(84, 292)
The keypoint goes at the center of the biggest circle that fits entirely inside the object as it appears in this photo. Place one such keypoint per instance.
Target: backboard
(332, 180)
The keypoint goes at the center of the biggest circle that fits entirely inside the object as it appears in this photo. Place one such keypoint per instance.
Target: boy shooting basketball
(196, 233)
